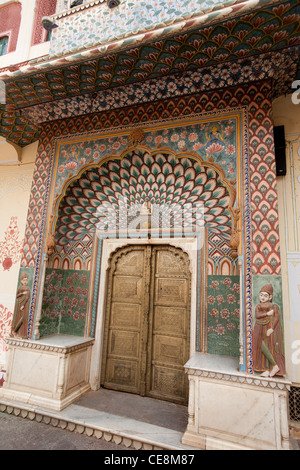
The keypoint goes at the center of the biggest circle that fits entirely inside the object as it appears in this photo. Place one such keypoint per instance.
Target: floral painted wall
(211, 138)
(15, 185)
(130, 18)
(65, 302)
(223, 315)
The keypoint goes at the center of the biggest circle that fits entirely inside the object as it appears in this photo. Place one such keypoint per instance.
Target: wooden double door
(147, 323)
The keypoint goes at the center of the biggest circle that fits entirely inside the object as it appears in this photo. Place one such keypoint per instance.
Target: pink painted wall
(43, 8)
(10, 19)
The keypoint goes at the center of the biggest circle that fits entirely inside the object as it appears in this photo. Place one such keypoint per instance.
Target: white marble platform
(51, 372)
(230, 409)
(132, 433)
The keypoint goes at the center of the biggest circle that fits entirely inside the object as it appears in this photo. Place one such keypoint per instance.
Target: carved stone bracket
(50, 244)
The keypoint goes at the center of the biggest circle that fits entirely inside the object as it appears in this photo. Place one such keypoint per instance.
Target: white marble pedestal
(229, 409)
(51, 372)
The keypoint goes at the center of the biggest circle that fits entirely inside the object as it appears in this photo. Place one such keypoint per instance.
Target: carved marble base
(231, 410)
(51, 372)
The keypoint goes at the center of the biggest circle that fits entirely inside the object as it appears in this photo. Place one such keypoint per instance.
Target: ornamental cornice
(39, 346)
(257, 381)
(73, 10)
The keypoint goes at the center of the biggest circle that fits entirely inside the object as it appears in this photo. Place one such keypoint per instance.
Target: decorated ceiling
(273, 28)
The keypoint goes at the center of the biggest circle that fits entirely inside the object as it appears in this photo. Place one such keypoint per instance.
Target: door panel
(146, 340)
(170, 334)
(122, 341)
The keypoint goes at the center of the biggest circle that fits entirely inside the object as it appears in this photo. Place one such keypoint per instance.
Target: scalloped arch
(95, 195)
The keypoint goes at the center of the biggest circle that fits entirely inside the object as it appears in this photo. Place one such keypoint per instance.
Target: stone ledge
(58, 344)
(226, 368)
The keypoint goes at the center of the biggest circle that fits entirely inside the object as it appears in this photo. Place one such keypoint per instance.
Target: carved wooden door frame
(147, 322)
(109, 246)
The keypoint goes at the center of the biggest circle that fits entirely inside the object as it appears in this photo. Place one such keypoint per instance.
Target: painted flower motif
(71, 166)
(236, 288)
(5, 326)
(197, 146)
(214, 285)
(214, 312)
(230, 149)
(210, 299)
(231, 298)
(172, 87)
(225, 313)
(76, 315)
(220, 330)
(215, 148)
(193, 137)
(207, 79)
(228, 130)
(220, 299)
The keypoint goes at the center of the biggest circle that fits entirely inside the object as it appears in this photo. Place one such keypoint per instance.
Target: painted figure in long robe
(20, 318)
(268, 355)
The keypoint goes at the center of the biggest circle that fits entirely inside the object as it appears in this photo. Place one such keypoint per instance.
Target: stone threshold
(128, 432)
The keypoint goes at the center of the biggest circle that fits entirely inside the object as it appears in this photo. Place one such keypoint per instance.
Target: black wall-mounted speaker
(280, 157)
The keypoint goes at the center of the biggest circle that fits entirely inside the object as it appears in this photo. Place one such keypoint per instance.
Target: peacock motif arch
(109, 197)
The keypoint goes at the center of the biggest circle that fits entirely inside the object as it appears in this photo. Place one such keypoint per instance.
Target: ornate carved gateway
(146, 339)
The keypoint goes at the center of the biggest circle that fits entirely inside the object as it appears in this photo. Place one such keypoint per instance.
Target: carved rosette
(137, 136)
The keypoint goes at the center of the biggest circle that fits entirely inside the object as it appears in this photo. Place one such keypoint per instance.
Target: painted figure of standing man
(267, 336)
(20, 319)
